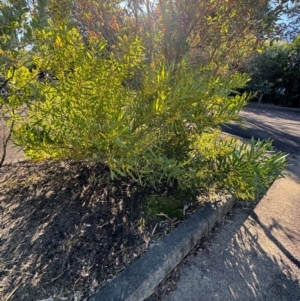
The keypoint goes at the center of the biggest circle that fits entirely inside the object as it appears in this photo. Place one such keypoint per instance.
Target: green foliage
(275, 74)
(291, 78)
(16, 32)
(210, 31)
(266, 70)
(17, 26)
(167, 130)
(245, 169)
(146, 114)
(160, 205)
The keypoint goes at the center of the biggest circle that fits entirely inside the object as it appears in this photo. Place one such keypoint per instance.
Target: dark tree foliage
(291, 78)
(275, 74)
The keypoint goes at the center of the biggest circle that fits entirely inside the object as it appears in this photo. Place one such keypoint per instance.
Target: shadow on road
(245, 260)
(262, 277)
(290, 234)
(281, 126)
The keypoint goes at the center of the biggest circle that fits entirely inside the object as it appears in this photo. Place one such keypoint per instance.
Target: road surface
(283, 126)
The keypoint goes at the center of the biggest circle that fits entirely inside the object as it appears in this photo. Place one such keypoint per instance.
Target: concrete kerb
(138, 281)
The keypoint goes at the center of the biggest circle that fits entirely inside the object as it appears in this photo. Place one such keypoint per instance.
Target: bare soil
(66, 228)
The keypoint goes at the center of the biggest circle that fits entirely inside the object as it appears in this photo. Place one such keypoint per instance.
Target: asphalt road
(263, 122)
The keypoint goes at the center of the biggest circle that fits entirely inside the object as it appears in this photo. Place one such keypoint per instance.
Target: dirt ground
(66, 228)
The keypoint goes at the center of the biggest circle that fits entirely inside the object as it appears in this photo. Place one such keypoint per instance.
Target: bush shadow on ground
(266, 266)
(67, 228)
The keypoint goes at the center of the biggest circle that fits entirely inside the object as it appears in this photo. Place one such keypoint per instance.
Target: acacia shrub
(165, 131)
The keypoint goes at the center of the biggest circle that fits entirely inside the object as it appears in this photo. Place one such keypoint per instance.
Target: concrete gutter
(139, 280)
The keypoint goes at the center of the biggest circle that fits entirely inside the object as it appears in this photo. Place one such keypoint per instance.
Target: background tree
(267, 71)
(291, 78)
(172, 28)
(275, 74)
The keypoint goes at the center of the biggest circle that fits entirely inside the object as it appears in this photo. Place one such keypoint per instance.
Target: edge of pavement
(139, 279)
(269, 106)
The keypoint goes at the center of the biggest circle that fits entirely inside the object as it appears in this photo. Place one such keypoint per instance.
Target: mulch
(66, 228)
